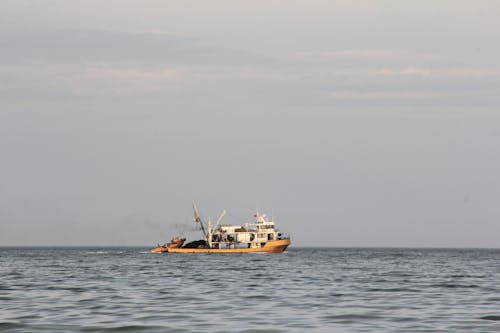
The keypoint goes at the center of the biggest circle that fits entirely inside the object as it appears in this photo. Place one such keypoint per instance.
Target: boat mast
(209, 235)
(220, 218)
(197, 219)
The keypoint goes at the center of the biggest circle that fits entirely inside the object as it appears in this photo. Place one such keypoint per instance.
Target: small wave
(124, 328)
(267, 330)
(493, 299)
(496, 318)
(394, 290)
(73, 289)
(10, 325)
(453, 285)
(348, 317)
(400, 274)
(258, 297)
(456, 276)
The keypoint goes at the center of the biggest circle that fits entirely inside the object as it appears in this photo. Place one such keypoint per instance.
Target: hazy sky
(358, 123)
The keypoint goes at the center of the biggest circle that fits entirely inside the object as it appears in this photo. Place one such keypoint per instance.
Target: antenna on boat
(197, 218)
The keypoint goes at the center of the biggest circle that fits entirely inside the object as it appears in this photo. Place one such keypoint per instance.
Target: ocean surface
(302, 290)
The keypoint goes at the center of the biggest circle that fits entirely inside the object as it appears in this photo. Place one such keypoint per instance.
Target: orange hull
(176, 242)
(159, 249)
(274, 246)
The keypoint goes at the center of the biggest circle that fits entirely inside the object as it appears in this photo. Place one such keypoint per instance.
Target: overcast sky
(356, 123)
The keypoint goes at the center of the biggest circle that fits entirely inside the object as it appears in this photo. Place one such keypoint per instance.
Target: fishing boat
(259, 236)
(175, 242)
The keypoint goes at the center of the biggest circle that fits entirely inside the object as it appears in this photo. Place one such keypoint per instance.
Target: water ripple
(313, 290)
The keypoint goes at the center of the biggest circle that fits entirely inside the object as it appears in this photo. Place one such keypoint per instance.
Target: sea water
(301, 290)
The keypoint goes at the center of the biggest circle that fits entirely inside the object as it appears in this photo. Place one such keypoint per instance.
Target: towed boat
(259, 236)
(174, 243)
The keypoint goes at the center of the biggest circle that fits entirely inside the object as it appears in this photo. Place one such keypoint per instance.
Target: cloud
(100, 80)
(129, 74)
(451, 73)
(371, 56)
(56, 63)
(479, 73)
(67, 80)
(97, 63)
(382, 95)
(408, 71)
(94, 46)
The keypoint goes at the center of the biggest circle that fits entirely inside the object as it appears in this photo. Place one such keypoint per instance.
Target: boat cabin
(248, 235)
